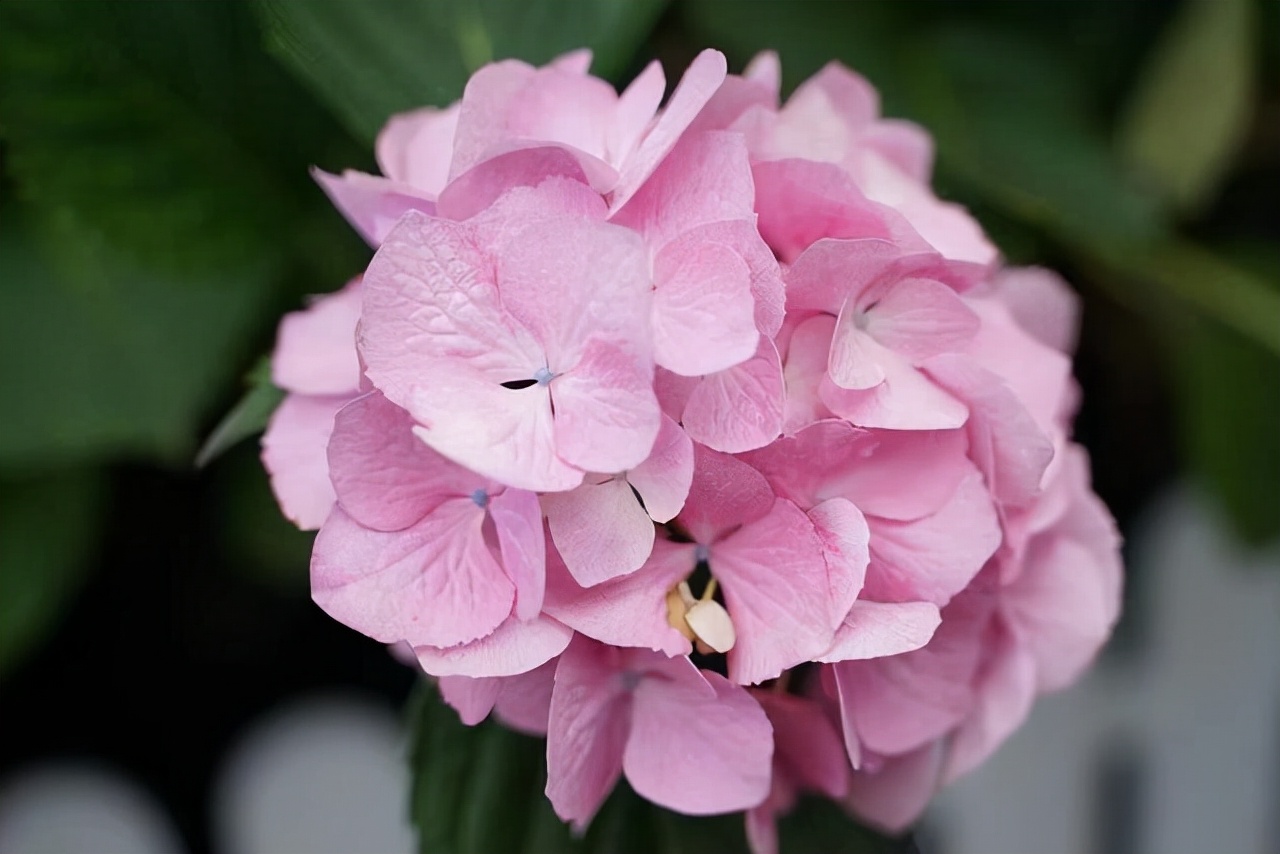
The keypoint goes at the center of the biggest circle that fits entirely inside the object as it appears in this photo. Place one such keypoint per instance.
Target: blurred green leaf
(47, 530)
(98, 120)
(100, 355)
(1230, 415)
(477, 790)
(247, 418)
(372, 58)
(1193, 102)
(258, 542)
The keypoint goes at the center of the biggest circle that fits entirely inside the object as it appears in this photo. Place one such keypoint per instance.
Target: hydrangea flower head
(701, 437)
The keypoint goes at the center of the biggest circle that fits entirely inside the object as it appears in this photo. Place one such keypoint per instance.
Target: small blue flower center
(701, 552)
(543, 376)
(481, 498)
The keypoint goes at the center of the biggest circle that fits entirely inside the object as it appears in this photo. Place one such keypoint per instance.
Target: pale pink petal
(1005, 692)
(373, 205)
(766, 69)
(673, 391)
(517, 518)
(777, 586)
(705, 179)
(434, 583)
(933, 558)
(896, 794)
(600, 530)
(844, 534)
(472, 699)
(807, 749)
(627, 611)
(695, 88)
(876, 629)
(831, 273)
(855, 360)
(1004, 440)
(741, 408)
(587, 731)
(505, 434)
(905, 144)
(703, 314)
(316, 348)
(636, 108)
(900, 475)
(725, 494)
(385, 477)
(919, 318)
(514, 647)
(695, 754)
(293, 451)
(416, 147)
(906, 400)
(803, 371)
(1042, 303)
(525, 701)
(482, 185)
(663, 479)
(430, 300)
(762, 829)
(575, 61)
(606, 414)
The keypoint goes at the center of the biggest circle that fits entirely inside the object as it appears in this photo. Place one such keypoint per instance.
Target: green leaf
(1193, 102)
(247, 418)
(372, 58)
(479, 789)
(1230, 417)
(99, 355)
(121, 112)
(48, 525)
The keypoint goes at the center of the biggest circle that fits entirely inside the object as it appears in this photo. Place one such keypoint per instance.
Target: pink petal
(316, 348)
(695, 754)
(894, 796)
(293, 451)
(482, 185)
(1042, 303)
(695, 88)
(606, 414)
(703, 316)
(905, 144)
(372, 205)
(587, 731)
(919, 318)
(1005, 442)
(900, 475)
(385, 477)
(777, 588)
(725, 493)
(831, 273)
(600, 530)
(505, 434)
(933, 558)
(834, 95)
(705, 179)
(741, 408)
(1004, 697)
(906, 400)
(575, 61)
(431, 303)
(628, 611)
(525, 701)
(844, 534)
(807, 749)
(472, 699)
(515, 647)
(434, 583)
(664, 478)
(876, 629)
(803, 371)
(855, 361)
(517, 518)
(636, 108)
(415, 148)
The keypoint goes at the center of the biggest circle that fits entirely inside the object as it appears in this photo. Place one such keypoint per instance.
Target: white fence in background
(1172, 745)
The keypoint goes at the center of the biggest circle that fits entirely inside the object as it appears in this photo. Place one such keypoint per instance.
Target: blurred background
(165, 682)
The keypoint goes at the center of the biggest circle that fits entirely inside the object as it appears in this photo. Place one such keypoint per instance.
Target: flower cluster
(701, 437)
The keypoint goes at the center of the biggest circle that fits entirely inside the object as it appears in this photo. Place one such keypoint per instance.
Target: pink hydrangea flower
(701, 438)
